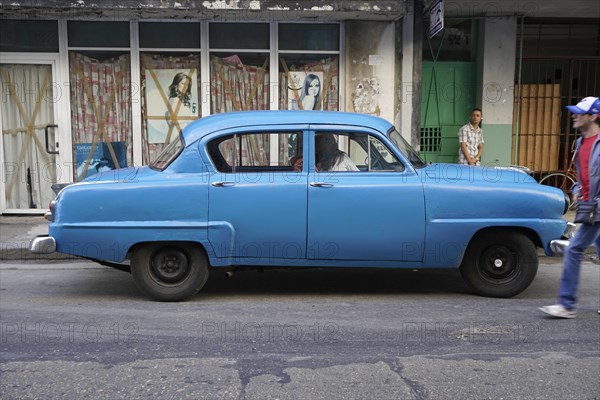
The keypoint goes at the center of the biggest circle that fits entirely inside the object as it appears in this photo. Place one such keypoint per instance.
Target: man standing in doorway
(470, 138)
(586, 118)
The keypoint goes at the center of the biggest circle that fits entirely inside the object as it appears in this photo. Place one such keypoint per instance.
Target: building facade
(88, 88)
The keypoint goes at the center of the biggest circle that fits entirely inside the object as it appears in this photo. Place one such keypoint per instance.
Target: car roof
(217, 122)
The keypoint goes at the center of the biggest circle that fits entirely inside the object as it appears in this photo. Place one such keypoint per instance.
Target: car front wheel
(500, 264)
(169, 271)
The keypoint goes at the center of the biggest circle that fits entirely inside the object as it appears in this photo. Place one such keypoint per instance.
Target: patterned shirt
(473, 138)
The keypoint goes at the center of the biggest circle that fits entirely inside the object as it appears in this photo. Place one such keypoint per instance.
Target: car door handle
(321, 184)
(222, 184)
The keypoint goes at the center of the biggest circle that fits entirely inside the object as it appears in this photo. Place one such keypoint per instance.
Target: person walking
(586, 118)
(470, 139)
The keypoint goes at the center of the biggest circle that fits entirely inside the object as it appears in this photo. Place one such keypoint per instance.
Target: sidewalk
(16, 233)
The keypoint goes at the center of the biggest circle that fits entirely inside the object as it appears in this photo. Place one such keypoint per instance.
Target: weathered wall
(405, 63)
(225, 10)
(410, 65)
(370, 68)
(497, 81)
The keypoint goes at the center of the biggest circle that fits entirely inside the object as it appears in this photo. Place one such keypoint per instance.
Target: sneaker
(558, 311)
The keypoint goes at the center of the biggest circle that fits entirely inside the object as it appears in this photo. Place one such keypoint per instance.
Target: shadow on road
(317, 281)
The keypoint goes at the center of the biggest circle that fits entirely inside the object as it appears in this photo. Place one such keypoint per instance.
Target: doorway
(448, 98)
(30, 135)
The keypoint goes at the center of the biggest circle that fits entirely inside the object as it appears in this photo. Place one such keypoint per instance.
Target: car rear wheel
(169, 271)
(500, 264)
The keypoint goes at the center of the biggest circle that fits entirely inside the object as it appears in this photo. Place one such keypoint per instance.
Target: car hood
(444, 172)
(459, 192)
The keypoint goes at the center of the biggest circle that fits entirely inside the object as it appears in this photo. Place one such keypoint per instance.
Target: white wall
(498, 69)
(496, 66)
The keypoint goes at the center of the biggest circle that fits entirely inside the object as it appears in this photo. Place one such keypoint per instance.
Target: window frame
(134, 50)
(221, 165)
(345, 142)
(278, 53)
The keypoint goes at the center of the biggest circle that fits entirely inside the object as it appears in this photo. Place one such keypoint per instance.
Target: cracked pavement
(81, 331)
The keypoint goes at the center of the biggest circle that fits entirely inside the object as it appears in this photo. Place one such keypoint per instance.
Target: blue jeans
(584, 237)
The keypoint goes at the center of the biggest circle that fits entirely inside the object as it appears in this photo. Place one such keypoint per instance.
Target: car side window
(346, 152)
(257, 151)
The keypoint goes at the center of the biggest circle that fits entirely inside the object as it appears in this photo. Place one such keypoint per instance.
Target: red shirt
(584, 165)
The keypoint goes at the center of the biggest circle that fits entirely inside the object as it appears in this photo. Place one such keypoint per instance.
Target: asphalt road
(79, 331)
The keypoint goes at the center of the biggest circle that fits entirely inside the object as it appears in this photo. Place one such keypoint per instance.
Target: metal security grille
(555, 70)
(431, 139)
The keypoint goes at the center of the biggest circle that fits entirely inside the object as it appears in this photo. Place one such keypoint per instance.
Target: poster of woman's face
(304, 90)
(171, 97)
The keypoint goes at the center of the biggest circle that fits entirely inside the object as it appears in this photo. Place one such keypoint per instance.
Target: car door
(374, 212)
(257, 204)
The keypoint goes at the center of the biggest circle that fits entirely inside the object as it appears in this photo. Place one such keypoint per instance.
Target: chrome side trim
(43, 245)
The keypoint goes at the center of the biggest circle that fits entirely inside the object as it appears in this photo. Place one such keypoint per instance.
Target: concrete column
(406, 91)
(496, 73)
(408, 117)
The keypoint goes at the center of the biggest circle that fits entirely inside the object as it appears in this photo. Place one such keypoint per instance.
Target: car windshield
(168, 154)
(407, 151)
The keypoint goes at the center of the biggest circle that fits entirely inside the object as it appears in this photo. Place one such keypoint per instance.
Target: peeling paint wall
(370, 68)
(227, 10)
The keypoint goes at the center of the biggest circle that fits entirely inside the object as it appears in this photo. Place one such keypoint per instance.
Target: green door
(447, 101)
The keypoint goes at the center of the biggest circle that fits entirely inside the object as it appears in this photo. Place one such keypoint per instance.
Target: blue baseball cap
(589, 105)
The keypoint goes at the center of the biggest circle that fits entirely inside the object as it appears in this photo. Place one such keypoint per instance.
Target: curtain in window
(26, 110)
(252, 150)
(100, 111)
(239, 87)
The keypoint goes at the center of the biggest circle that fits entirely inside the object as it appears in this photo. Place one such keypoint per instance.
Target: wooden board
(539, 127)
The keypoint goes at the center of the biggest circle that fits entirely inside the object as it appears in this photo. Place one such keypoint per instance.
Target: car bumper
(43, 245)
(558, 246)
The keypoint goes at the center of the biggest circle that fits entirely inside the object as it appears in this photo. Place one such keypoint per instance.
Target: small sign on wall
(436, 18)
(376, 59)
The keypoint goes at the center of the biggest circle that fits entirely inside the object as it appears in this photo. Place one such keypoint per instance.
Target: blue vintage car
(304, 189)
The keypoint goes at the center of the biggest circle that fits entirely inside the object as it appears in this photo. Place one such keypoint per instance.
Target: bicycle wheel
(561, 181)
